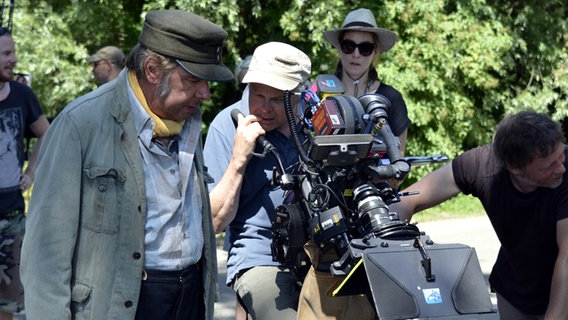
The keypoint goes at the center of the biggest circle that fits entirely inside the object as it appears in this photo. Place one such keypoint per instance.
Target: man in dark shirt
(522, 182)
(19, 110)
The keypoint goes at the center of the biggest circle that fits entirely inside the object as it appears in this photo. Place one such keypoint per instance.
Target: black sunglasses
(365, 48)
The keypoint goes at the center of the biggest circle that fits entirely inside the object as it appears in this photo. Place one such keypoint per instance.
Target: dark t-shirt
(525, 224)
(17, 112)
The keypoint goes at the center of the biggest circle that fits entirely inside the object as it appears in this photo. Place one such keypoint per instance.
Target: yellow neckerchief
(164, 127)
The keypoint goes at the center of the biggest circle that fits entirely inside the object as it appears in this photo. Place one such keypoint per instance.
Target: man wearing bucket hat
(243, 201)
(120, 224)
(359, 43)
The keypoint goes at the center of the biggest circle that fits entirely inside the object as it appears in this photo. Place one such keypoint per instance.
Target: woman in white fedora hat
(359, 43)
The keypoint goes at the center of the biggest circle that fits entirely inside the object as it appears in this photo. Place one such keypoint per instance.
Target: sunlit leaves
(460, 64)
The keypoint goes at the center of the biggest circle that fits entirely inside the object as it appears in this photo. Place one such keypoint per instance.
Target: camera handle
(426, 261)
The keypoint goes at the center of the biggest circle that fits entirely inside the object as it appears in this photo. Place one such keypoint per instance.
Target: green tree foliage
(536, 73)
(460, 64)
(45, 49)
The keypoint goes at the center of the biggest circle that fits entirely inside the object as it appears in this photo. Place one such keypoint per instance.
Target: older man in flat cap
(119, 225)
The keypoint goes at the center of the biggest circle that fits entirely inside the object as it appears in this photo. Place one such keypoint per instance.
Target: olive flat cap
(194, 42)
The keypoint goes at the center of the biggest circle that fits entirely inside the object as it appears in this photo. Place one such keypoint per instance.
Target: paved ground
(225, 308)
(475, 232)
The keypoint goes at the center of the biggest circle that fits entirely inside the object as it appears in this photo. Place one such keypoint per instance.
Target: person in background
(19, 110)
(522, 182)
(240, 71)
(107, 63)
(359, 43)
(243, 201)
(23, 78)
(120, 223)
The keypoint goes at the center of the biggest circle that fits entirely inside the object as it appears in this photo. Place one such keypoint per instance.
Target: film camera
(340, 201)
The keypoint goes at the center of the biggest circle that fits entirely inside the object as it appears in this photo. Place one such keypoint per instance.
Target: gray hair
(135, 62)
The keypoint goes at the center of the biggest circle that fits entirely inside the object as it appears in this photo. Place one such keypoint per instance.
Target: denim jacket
(83, 252)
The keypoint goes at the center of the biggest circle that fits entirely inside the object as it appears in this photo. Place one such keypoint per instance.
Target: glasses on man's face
(96, 64)
(365, 48)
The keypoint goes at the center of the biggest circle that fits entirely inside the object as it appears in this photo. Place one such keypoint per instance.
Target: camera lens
(373, 212)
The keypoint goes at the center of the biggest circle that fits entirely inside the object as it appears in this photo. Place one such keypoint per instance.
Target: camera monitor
(341, 150)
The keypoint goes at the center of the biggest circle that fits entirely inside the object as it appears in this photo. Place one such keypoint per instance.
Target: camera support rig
(340, 199)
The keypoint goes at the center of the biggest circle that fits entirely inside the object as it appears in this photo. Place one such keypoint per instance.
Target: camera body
(342, 193)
